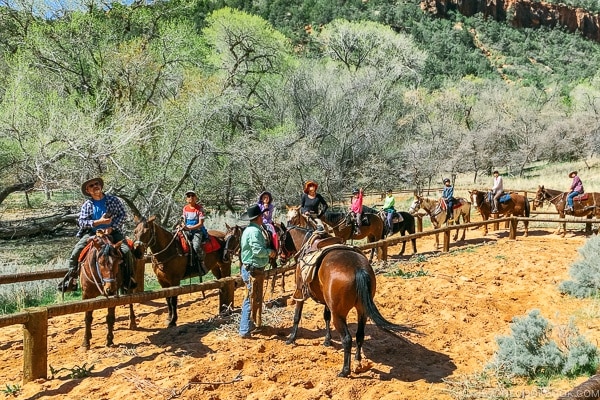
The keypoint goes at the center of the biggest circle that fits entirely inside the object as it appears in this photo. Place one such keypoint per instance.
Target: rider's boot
(201, 266)
(69, 282)
(495, 210)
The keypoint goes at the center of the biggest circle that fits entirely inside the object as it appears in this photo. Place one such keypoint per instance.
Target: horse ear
(227, 226)
(152, 218)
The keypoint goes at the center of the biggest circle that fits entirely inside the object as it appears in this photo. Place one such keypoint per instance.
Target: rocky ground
(461, 302)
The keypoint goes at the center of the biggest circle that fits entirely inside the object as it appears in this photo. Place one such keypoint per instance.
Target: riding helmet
(355, 191)
(446, 180)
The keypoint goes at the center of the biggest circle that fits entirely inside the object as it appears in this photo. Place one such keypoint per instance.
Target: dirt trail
(466, 299)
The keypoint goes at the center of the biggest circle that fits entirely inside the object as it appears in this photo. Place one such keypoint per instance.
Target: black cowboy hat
(84, 185)
(572, 173)
(251, 213)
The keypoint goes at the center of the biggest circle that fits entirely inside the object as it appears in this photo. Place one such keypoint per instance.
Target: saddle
(581, 197)
(308, 265)
(455, 205)
(209, 246)
(90, 243)
(364, 219)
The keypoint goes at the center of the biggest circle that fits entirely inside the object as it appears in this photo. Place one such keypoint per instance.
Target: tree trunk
(35, 226)
(18, 187)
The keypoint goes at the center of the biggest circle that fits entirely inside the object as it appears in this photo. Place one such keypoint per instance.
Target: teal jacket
(254, 247)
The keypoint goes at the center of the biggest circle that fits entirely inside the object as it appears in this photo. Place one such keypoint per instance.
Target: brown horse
(169, 262)
(343, 280)
(517, 205)
(337, 221)
(433, 208)
(99, 275)
(586, 205)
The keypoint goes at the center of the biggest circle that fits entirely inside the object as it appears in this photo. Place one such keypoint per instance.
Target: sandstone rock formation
(523, 14)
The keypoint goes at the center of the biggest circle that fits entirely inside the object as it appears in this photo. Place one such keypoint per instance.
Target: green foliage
(76, 372)
(12, 390)
(585, 271)
(530, 352)
(408, 274)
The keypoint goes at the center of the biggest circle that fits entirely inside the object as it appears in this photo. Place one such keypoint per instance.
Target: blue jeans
(245, 322)
(570, 198)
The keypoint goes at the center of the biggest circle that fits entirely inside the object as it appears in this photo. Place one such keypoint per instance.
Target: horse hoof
(344, 374)
(171, 325)
(289, 341)
(327, 343)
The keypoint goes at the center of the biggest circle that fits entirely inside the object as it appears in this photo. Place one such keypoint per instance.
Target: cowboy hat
(251, 213)
(572, 173)
(190, 193)
(86, 183)
(309, 184)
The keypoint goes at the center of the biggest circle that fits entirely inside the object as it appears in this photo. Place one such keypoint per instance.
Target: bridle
(152, 240)
(286, 253)
(98, 279)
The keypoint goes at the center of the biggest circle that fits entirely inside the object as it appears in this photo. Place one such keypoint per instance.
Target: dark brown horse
(406, 225)
(433, 208)
(517, 205)
(344, 280)
(169, 262)
(586, 205)
(337, 221)
(99, 275)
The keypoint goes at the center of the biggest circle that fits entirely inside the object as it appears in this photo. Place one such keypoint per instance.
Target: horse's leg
(327, 318)
(110, 325)
(414, 244)
(526, 223)
(342, 327)
(297, 316)
(88, 330)
(172, 307)
(132, 323)
(403, 244)
(360, 336)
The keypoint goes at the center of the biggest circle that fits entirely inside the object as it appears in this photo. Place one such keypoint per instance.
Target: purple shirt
(577, 185)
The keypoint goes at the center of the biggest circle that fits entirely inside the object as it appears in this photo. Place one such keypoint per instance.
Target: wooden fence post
(384, 252)
(35, 345)
(496, 225)
(513, 228)
(419, 223)
(446, 241)
(226, 294)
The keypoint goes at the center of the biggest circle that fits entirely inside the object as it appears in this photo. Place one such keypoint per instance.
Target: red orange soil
(466, 300)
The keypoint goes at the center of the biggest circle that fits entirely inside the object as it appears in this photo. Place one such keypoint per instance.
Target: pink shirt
(356, 205)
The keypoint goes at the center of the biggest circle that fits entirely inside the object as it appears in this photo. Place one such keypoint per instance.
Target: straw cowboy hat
(572, 173)
(84, 185)
(251, 213)
(309, 184)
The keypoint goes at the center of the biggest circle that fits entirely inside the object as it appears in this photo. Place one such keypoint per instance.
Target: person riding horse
(575, 190)
(100, 212)
(309, 205)
(356, 208)
(497, 190)
(448, 197)
(388, 207)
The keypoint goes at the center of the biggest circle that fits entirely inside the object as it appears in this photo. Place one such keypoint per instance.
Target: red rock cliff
(523, 14)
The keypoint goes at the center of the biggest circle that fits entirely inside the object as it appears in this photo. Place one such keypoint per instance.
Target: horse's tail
(363, 287)
(527, 208)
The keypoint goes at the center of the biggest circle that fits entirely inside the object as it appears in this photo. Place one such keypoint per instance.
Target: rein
(153, 241)
(96, 278)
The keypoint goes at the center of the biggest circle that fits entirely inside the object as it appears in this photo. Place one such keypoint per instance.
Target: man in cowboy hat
(575, 190)
(448, 197)
(99, 211)
(497, 190)
(254, 256)
(310, 202)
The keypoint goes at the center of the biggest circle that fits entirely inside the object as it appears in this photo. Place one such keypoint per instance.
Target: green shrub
(585, 271)
(530, 352)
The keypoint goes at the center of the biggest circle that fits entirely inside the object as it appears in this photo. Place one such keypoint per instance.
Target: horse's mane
(335, 216)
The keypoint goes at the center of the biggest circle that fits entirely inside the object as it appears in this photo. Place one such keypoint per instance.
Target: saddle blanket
(581, 197)
(211, 245)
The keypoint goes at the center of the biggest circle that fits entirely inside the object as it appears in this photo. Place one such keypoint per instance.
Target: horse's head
(540, 196)
(103, 264)
(143, 233)
(477, 197)
(415, 206)
(293, 216)
(232, 238)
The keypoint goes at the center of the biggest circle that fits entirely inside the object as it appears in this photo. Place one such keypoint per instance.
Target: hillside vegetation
(232, 97)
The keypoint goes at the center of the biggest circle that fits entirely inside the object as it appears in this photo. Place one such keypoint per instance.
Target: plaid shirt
(114, 206)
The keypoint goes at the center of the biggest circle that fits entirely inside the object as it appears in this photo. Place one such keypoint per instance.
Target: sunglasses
(91, 185)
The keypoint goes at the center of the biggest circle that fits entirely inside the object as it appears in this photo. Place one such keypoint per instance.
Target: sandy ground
(468, 298)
